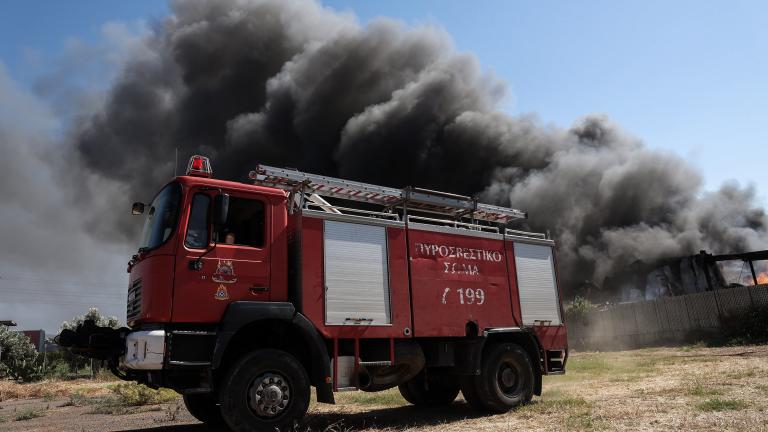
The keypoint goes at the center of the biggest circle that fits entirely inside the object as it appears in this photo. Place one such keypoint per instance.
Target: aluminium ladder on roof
(456, 206)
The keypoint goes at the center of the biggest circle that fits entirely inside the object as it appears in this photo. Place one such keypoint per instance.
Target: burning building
(687, 275)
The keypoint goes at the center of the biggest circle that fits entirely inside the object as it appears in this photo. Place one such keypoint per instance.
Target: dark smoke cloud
(52, 266)
(294, 84)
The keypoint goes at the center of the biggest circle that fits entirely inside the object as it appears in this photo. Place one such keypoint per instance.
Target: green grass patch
(78, 398)
(561, 405)
(554, 393)
(691, 347)
(763, 388)
(384, 398)
(577, 411)
(612, 366)
(699, 388)
(133, 394)
(29, 415)
(717, 404)
(106, 407)
(750, 373)
(580, 421)
(128, 398)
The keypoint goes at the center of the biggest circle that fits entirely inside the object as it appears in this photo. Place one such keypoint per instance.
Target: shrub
(132, 394)
(579, 310)
(19, 359)
(747, 327)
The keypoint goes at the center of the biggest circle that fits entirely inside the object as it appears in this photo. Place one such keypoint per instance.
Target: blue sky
(687, 77)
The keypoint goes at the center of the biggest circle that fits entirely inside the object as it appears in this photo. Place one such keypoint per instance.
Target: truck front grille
(134, 301)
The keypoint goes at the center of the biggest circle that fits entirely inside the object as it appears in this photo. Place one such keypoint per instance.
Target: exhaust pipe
(377, 376)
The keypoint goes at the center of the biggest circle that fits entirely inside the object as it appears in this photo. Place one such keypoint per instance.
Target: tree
(95, 315)
(19, 357)
(78, 362)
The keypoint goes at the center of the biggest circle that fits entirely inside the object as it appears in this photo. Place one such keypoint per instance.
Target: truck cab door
(219, 265)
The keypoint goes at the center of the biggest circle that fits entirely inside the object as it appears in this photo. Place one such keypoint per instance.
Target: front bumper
(144, 350)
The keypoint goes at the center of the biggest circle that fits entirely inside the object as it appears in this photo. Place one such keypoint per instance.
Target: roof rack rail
(410, 198)
(511, 232)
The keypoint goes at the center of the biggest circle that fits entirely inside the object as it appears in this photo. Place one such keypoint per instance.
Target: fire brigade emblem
(221, 293)
(225, 272)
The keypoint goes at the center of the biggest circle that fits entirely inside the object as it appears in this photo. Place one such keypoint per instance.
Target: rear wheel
(265, 390)
(506, 380)
(204, 408)
(426, 390)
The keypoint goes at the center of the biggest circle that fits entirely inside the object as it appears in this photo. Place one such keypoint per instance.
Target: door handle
(258, 289)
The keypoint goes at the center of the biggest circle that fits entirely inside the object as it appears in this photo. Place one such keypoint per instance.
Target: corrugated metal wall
(667, 320)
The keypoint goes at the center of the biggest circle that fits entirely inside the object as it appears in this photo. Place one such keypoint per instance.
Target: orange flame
(762, 278)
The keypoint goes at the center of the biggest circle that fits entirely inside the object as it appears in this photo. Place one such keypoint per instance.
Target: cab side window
(197, 228)
(245, 223)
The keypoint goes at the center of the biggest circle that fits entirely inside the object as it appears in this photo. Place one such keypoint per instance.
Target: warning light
(199, 166)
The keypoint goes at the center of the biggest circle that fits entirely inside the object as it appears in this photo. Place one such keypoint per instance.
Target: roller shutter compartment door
(536, 284)
(356, 274)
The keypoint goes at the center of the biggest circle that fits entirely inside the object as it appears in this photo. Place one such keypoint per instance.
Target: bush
(133, 394)
(747, 327)
(578, 310)
(78, 364)
(19, 359)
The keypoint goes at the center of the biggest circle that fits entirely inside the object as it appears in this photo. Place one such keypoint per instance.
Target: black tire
(470, 393)
(203, 407)
(433, 391)
(505, 382)
(256, 384)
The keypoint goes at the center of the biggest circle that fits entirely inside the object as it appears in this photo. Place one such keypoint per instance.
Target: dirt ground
(688, 388)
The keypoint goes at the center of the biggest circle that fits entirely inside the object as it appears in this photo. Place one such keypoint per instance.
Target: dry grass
(687, 388)
(51, 388)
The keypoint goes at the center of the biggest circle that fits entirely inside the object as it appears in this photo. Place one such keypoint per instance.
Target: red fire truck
(243, 296)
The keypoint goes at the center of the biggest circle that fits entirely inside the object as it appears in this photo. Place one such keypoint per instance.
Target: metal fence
(666, 320)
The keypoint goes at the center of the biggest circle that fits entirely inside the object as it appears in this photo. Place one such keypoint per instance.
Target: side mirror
(137, 208)
(220, 209)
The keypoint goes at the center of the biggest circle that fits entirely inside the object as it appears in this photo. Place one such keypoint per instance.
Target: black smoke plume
(291, 83)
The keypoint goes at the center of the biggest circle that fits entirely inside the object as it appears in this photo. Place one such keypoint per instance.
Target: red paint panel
(457, 279)
(279, 250)
(156, 274)
(313, 285)
(514, 292)
(552, 337)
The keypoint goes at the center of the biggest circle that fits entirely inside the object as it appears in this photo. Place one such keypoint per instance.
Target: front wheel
(423, 390)
(265, 390)
(506, 380)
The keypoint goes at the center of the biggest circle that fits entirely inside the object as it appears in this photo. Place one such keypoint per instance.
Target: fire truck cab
(243, 296)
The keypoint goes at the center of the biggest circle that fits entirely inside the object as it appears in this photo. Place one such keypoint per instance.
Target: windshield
(161, 217)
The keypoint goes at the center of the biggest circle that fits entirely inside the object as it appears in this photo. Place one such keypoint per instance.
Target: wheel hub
(508, 379)
(269, 395)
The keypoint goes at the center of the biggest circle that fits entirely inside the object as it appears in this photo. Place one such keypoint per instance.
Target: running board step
(375, 363)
